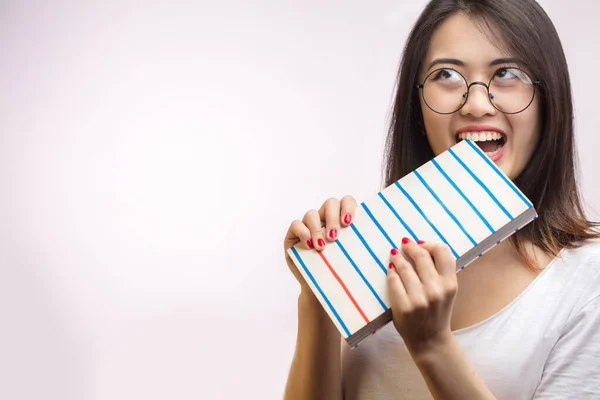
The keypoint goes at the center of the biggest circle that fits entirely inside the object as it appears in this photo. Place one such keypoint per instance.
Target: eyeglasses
(510, 90)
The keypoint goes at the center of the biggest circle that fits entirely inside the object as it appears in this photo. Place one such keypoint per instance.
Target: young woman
(521, 322)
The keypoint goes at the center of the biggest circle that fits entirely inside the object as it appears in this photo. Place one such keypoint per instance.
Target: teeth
(480, 136)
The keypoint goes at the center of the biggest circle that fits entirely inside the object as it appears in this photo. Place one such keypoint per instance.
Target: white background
(152, 156)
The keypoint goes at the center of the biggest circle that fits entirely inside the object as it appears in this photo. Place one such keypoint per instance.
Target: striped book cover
(460, 198)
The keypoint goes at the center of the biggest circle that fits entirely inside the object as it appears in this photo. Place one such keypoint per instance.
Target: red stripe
(344, 287)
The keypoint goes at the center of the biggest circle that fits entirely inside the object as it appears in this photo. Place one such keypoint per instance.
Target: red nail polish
(310, 243)
(321, 242)
(348, 219)
(391, 265)
(394, 252)
(333, 233)
(420, 241)
(405, 240)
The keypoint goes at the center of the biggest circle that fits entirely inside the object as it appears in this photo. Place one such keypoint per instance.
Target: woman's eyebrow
(455, 61)
(452, 61)
(507, 60)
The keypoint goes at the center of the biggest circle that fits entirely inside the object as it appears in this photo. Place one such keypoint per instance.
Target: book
(460, 198)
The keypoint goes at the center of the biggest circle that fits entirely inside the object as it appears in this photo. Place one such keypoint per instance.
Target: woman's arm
(448, 373)
(316, 367)
(422, 290)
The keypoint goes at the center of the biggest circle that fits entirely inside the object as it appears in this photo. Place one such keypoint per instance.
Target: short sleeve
(572, 370)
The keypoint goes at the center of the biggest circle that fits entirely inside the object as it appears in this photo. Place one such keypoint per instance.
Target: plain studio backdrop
(152, 157)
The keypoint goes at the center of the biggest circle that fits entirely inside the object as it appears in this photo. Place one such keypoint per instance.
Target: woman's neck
(506, 254)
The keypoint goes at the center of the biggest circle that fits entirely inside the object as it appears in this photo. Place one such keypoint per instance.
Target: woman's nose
(478, 103)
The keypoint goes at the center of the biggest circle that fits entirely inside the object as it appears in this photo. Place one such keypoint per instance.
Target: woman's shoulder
(581, 267)
(587, 252)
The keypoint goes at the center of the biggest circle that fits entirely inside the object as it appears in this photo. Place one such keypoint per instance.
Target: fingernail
(420, 241)
(321, 242)
(348, 219)
(310, 243)
(391, 265)
(405, 240)
(333, 233)
(394, 252)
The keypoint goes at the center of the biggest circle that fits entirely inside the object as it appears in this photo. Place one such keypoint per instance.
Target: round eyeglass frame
(469, 85)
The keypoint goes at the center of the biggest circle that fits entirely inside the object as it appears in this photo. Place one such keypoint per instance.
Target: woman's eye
(506, 73)
(447, 75)
(512, 76)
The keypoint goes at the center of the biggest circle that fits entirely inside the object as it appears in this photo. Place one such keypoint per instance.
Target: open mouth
(490, 142)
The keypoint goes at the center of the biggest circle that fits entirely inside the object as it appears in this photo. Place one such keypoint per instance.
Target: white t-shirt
(545, 344)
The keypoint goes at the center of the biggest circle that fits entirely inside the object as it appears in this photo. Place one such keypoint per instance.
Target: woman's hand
(317, 228)
(422, 288)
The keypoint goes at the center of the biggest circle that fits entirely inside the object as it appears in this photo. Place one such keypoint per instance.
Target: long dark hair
(549, 180)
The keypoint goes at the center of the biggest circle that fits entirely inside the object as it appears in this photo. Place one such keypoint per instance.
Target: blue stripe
(481, 184)
(339, 243)
(500, 174)
(463, 195)
(364, 242)
(331, 307)
(426, 219)
(441, 203)
(398, 216)
(389, 239)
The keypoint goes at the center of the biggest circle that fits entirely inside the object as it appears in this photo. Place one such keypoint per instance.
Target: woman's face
(460, 45)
